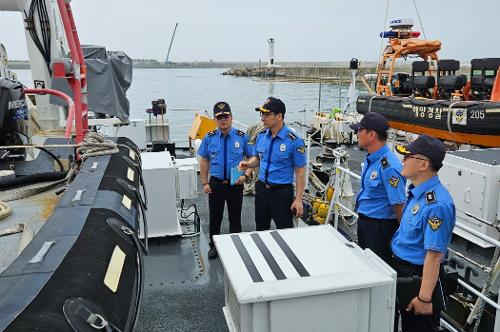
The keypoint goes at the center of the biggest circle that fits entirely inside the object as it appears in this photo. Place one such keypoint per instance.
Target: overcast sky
(236, 30)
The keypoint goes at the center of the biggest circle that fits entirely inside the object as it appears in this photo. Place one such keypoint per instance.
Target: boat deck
(184, 291)
(28, 216)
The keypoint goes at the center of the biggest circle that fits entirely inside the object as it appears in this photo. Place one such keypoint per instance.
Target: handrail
(448, 326)
(335, 202)
(479, 294)
(478, 234)
(77, 81)
(71, 104)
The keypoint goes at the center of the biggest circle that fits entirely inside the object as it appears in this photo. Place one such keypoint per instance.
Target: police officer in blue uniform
(380, 201)
(221, 150)
(421, 242)
(280, 154)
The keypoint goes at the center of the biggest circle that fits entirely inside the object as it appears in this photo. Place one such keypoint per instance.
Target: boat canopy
(109, 75)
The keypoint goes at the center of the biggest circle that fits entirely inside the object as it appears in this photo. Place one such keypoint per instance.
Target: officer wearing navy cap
(281, 155)
(380, 201)
(421, 242)
(221, 150)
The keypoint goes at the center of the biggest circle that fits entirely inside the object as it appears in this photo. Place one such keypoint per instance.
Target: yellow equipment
(329, 193)
(201, 126)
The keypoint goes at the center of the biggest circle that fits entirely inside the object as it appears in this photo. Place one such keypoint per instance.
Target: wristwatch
(246, 176)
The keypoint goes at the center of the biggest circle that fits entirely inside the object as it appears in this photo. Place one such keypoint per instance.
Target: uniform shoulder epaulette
(263, 131)
(385, 162)
(292, 136)
(239, 133)
(430, 197)
(211, 133)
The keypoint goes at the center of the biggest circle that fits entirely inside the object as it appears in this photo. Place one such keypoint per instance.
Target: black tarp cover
(109, 75)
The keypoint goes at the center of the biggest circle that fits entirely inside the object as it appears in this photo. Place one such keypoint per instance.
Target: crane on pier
(171, 42)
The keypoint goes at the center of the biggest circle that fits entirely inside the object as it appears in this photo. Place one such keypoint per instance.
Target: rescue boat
(435, 98)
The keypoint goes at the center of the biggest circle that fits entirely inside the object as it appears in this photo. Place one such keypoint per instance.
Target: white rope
(419, 20)
(5, 210)
(94, 144)
(383, 28)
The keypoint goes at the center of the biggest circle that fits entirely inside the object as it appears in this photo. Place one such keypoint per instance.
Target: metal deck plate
(183, 291)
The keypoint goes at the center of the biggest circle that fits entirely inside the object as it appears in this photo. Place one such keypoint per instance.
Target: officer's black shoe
(212, 253)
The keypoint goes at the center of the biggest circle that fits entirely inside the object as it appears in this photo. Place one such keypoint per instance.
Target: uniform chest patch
(237, 144)
(393, 181)
(384, 162)
(415, 209)
(435, 222)
(430, 197)
(283, 147)
(373, 176)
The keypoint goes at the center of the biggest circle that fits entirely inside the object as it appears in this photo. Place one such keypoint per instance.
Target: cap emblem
(221, 106)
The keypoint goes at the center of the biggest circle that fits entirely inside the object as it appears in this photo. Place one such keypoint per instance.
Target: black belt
(400, 261)
(213, 178)
(271, 186)
(363, 216)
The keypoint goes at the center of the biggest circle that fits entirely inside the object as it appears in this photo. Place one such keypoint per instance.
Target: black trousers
(376, 234)
(273, 203)
(409, 321)
(223, 193)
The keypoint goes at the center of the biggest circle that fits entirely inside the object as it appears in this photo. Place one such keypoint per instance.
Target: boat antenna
(419, 20)
(382, 41)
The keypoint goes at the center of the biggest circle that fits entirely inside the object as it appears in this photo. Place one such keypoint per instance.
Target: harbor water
(188, 91)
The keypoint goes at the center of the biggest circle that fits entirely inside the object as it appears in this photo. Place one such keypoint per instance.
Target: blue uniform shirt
(381, 185)
(279, 156)
(427, 223)
(224, 152)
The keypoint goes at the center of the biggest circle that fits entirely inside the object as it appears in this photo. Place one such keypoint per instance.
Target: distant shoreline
(152, 64)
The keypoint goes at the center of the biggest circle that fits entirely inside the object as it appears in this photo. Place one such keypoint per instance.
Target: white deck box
(304, 279)
(473, 180)
(160, 179)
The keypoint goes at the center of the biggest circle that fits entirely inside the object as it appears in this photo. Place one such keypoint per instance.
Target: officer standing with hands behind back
(280, 154)
(422, 240)
(382, 195)
(221, 150)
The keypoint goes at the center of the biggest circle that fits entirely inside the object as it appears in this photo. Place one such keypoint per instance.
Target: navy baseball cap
(371, 120)
(427, 146)
(221, 108)
(272, 105)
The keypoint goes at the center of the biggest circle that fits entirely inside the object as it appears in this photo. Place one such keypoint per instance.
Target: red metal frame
(78, 80)
(71, 104)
